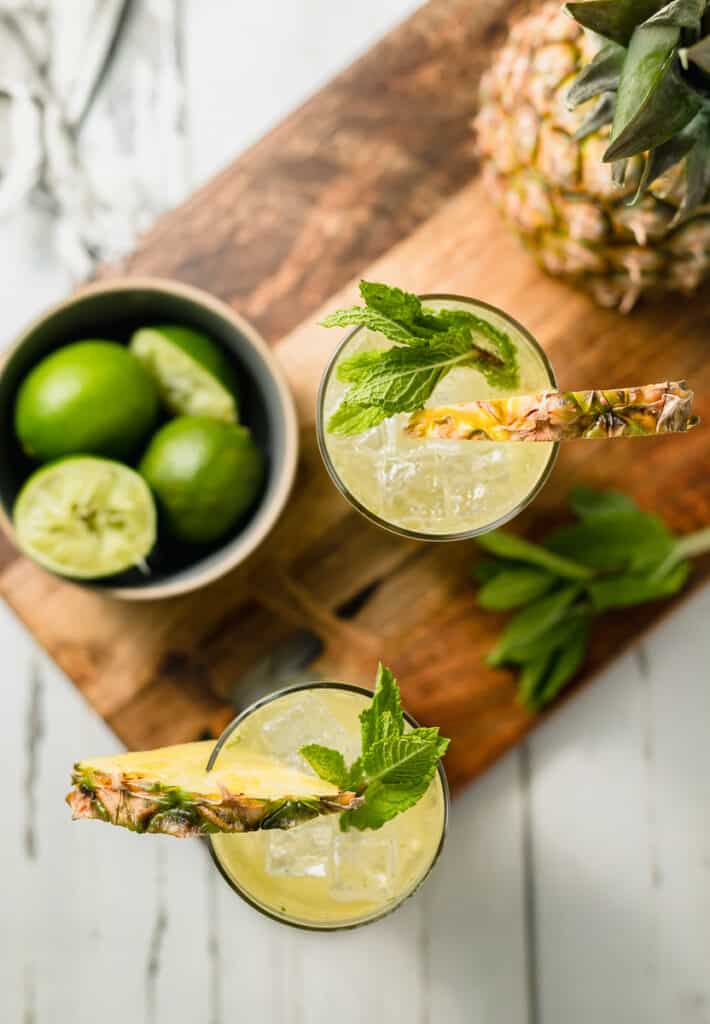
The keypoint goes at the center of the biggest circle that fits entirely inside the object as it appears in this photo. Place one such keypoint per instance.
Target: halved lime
(85, 517)
(193, 375)
(88, 398)
(206, 475)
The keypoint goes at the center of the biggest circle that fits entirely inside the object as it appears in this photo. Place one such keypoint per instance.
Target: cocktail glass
(438, 489)
(316, 876)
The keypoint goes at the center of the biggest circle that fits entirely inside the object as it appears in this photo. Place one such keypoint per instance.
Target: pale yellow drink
(315, 875)
(440, 489)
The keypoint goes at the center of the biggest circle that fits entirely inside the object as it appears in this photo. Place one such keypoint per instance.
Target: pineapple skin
(563, 415)
(558, 194)
(169, 791)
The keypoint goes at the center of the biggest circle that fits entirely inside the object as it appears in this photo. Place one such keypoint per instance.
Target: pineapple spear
(563, 415)
(170, 791)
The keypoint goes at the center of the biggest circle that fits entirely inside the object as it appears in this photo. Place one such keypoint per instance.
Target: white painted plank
(619, 798)
(677, 757)
(476, 908)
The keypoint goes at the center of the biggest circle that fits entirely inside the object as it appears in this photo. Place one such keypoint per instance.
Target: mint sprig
(427, 345)
(614, 556)
(395, 767)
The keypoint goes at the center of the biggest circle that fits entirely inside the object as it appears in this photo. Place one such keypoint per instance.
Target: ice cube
(413, 488)
(302, 852)
(305, 718)
(364, 866)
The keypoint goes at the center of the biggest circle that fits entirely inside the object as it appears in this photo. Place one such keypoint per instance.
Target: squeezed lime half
(193, 375)
(86, 517)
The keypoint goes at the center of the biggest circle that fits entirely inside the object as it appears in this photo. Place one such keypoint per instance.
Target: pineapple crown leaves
(394, 769)
(652, 74)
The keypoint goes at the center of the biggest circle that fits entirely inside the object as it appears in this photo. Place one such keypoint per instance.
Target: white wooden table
(575, 886)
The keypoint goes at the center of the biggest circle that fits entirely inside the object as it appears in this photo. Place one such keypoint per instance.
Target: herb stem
(693, 544)
(690, 546)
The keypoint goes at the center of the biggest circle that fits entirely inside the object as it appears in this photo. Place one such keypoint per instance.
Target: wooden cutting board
(375, 176)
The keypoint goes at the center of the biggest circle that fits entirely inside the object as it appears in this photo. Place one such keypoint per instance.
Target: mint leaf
(356, 775)
(399, 771)
(631, 589)
(533, 623)
(506, 374)
(403, 760)
(393, 302)
(328, 764)
(563, 666)
(357, 368)
(382, 803)
(516, 549)
(633, 541)
(363, 316)
(385, 701)
(588, 503)
(350, 418)
(543, 644)
(488, 568)
(514, 587)
(398, 379)
(532, 673)
(395, 768)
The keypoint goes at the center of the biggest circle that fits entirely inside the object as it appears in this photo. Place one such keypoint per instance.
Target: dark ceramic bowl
(114, 310)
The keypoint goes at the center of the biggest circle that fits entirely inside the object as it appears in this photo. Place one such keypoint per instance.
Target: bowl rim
(265, 519)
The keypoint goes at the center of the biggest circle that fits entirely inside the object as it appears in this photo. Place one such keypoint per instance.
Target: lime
(193, 375)
(85, 517)
(205, 475)
(92, 397)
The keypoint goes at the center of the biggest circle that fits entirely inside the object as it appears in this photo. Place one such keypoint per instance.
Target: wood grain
(378, 165)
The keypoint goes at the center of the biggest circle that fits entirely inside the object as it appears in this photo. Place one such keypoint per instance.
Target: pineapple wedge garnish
(563, 415)
(170, 791)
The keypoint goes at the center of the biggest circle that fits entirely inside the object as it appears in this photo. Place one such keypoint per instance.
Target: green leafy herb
(393, 302)
(359, 316)
(512, 587)
(614, 556)
(627, 540)
(428, 344)
(517, 549)
(395, 767)
(328, 764)
(587, 503)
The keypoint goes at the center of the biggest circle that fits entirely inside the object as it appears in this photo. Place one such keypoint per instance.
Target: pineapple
(611, 194)
(170, 791)
(563, 415)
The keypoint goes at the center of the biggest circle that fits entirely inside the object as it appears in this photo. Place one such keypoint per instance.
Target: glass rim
(402, 531)
(390, 908)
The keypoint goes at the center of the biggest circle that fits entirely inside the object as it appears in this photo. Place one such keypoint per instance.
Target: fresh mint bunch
(614, 556)
(427, 344)
(395, 767)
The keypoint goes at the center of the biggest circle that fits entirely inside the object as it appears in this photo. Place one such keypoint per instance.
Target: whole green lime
(89, 398)
(205, 474)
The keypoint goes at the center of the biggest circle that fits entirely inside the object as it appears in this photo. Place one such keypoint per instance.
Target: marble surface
(575, 885)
